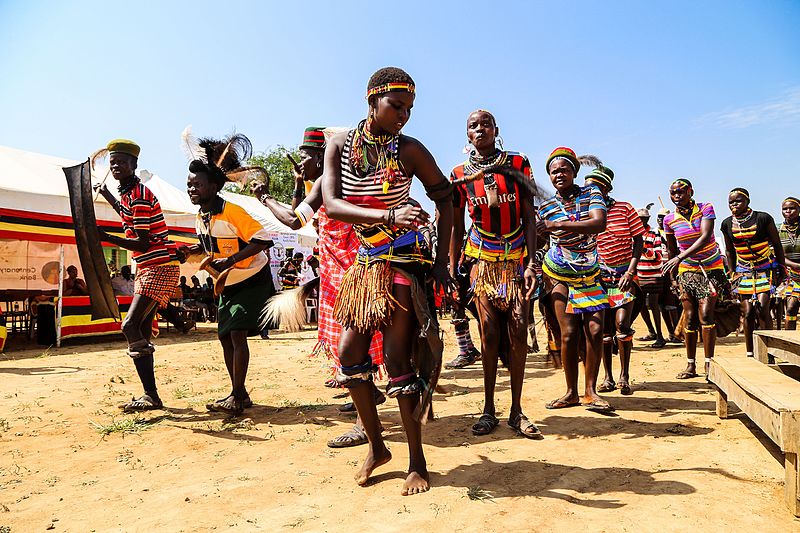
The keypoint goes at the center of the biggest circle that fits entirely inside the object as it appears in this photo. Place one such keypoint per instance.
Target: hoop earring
(499, 141)
(467, 148)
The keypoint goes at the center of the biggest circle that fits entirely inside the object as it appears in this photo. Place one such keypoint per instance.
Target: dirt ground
(664, 463)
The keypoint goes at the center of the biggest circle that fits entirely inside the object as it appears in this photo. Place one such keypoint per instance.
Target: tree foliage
(281, 179)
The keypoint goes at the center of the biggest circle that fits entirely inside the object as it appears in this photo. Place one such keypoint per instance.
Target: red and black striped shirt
(507, 216)
(140, 210)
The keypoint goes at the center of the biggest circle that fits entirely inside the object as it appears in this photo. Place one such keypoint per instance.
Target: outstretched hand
(670, 265)
(442, 279)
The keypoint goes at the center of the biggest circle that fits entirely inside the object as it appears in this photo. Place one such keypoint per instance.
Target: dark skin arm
(706, 231)
(250, 250)
(105, 193)
(596, 223)
(529, 227)
(775, 241)
(284, 214)
(672, 251)
(140, 244)
(730, 251)
(457, 239)
(418, 162)
(626, 281)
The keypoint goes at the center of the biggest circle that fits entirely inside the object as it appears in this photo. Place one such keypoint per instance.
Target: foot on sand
(416, 483)
(374, 459)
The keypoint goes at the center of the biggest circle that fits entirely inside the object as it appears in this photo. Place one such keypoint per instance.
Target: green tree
(281, 179)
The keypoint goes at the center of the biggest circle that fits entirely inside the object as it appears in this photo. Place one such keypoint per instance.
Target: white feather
(191, 147)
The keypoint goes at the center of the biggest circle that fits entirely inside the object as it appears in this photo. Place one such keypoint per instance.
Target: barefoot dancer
(701, 273)
(574, 216)
(755, 258)
(619, 248)
(338, 245)
(502, 281)
(157, 269)
(790, 242)
(368, 174)
(234, 240)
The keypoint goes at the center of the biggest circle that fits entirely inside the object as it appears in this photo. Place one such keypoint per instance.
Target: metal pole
(60, 295)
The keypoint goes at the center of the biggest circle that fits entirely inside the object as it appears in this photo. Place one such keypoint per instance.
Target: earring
(499, 141)
(467, 148)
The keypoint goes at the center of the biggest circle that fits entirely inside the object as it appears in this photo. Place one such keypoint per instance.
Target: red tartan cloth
(338, 245)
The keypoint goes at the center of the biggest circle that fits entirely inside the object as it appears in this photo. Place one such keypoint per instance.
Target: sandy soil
(665, 463)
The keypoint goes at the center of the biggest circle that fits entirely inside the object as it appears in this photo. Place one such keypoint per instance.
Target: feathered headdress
(225, 156)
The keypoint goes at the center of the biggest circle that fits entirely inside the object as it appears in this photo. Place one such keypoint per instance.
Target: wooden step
(782, 344)
(771, 400)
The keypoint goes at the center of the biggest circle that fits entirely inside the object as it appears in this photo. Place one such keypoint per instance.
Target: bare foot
(371, 462)
(416, 483)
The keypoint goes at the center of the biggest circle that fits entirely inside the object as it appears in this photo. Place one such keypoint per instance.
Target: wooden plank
(764, 417)
(791, 484)
(784, 345)
(722, 403)
(790, 431)
(761, 349)
(772, 388)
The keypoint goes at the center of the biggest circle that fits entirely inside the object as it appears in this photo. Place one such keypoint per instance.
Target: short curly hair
(389, 75)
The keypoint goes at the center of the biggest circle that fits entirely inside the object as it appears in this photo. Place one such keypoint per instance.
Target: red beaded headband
(386, 87)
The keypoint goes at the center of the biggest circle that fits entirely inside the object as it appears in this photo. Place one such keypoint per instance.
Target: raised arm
(289, 216)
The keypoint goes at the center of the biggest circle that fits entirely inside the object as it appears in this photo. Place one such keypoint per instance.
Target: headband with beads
(386, 87)
(682, 183)
(792, 200)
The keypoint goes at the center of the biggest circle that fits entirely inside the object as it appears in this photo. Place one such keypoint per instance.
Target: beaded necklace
(688, 210)
(791, 231)
(387, 168)
(739, 221)
(478, 162)
(576, 215)
(128, 187)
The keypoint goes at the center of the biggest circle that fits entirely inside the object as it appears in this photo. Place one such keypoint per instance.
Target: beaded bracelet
(265, 196)
(390, 217)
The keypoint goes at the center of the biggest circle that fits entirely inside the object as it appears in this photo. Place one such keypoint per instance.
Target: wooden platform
(772, 400)
(781, 344)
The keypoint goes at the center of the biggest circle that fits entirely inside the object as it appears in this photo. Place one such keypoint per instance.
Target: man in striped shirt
(157, 270)
(619, 247)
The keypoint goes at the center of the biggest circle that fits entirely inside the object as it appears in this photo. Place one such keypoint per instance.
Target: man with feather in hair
(235, 243)
(156, 257)
(338, 245)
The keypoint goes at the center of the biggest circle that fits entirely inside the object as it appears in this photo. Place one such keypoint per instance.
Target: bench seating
(771, 400)
(781, 344)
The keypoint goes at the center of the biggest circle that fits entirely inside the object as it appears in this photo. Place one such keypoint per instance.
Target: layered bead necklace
(740, 221)
(387, 167)
(791, 232)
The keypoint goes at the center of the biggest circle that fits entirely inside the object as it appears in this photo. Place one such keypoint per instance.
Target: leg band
(750, 354)
(690, 360)
(463, 338)
(625, 338)
(708, 359)
(608, 340)
(690, 331)
(791, 319)
(351, 376)
(405, 384)
(708, 326)
(140, 348)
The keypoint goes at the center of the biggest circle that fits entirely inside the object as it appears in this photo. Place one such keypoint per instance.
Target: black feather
(590, 160)
(520, 178)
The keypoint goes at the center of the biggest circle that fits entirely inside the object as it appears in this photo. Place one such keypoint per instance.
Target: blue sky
(707, 90)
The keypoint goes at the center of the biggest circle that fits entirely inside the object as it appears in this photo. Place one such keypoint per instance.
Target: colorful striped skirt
(791, 287)
(609, 279)
(749, 282)
(580, 273)
(157, 282)
(486, 246)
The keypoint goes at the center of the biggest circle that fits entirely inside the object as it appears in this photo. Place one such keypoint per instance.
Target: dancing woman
(502, 235)
(368, 174)
(756, 259)
(694, 253)
(157, 269)
(574, 216)
(790, 242)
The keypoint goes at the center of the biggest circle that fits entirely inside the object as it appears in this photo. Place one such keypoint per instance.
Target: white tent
(35, 214)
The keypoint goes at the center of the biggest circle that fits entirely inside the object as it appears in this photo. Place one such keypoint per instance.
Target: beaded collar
(125, 189)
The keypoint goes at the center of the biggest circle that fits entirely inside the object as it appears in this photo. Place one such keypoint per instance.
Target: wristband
(304, 213)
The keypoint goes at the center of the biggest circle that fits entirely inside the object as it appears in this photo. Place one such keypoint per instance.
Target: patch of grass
(126, 425)
(479, 494)
(184, 391)
(292, 404)
(45, 353)
(52, 481)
